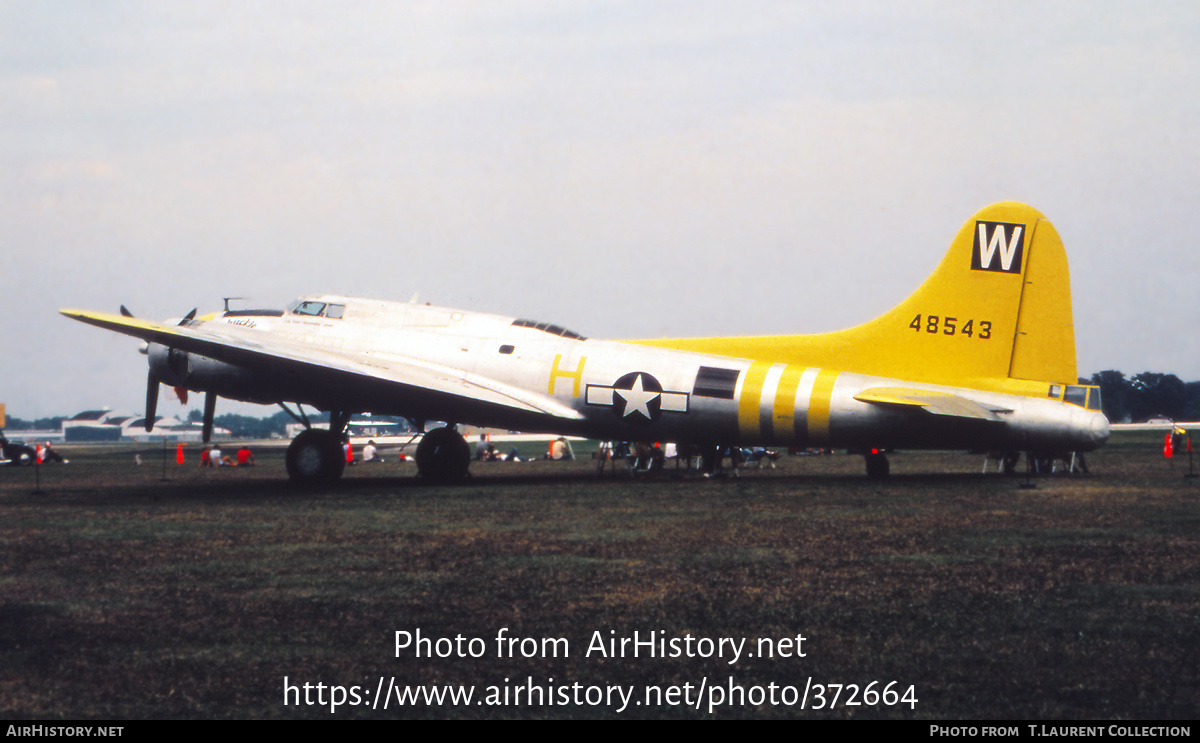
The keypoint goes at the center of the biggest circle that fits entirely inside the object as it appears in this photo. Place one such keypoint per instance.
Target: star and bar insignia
(637, 397)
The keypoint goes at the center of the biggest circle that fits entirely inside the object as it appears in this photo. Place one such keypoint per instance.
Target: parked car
(16, 453)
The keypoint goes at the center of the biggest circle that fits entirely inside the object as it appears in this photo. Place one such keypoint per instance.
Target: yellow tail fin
(997, 308)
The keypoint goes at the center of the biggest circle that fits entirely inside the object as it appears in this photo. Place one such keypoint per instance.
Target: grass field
(123, 596)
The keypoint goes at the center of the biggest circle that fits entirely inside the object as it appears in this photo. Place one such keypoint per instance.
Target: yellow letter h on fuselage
(576, 376)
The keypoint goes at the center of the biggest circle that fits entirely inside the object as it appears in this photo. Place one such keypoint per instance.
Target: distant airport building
(114, 425)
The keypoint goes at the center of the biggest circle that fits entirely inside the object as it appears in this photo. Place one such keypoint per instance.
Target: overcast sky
(625, 169)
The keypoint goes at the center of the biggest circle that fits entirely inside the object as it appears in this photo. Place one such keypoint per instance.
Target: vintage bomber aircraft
(982, 356)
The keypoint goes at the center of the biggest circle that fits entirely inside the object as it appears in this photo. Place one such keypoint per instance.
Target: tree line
(1146, 395)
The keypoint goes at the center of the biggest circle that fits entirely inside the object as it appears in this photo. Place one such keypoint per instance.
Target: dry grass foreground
(125, 597)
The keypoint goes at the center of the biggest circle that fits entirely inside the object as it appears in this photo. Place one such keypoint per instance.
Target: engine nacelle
(197, 373)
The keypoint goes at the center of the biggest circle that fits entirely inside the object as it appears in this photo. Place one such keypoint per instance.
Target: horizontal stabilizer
(931, 401)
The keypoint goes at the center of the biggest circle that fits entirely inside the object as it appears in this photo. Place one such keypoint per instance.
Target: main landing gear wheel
(877, 465)
(315, 457)
(443, 455)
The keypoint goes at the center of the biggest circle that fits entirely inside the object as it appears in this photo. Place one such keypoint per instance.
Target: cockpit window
(1075, 395)
(310, 308)
(1085, 397)
(548, 328)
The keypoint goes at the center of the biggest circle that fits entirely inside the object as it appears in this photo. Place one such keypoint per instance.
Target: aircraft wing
(931, 401)
(274, 355)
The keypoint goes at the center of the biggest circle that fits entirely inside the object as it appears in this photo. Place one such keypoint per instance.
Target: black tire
(21, 456)
(315, 457)
(877, 466)
(443, 455)
(710, 458)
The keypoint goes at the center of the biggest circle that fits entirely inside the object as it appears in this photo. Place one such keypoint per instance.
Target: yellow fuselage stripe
(783, 417)
(749, 421)
(818, 406)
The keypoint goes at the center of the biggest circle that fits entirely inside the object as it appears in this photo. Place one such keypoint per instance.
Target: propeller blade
(151, 400)
(181, 393)
(125, 311)
(210, 408)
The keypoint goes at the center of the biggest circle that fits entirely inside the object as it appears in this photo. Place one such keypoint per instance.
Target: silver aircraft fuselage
(610, 390)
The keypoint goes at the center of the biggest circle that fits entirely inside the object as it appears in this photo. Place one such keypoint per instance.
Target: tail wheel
(443, 454)
(315, 457)
(877, 465)
(711, 459)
